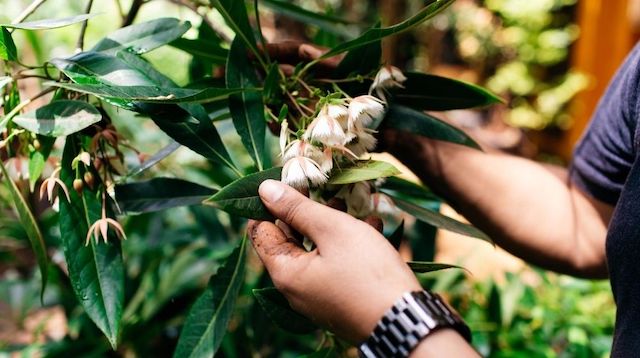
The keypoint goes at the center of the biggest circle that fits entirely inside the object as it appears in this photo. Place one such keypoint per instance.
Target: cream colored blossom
(363, 142)
(357, 196)
(299, 171)
(363, 110)
(326, 127)
(387, 77)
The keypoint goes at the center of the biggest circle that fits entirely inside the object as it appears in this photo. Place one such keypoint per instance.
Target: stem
(260, 35)
(28, 11)
(7, 118)
(306, 68)
(296, 104)
(217, 29)
(133, 12)
(83, 29)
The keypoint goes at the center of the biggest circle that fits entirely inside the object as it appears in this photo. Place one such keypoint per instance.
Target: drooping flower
(357, 196)
(363, 110)
(363, 142)
(50, 183)
(302, 148)
(101, 227)
(299, 171)
(387, 77)
(284, 136)
(326, 127)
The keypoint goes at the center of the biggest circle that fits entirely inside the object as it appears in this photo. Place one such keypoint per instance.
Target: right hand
(347, 283)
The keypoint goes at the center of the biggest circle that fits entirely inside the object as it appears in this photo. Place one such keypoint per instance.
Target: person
(583, 221)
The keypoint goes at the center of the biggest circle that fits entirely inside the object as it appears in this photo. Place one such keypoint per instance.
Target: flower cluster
(343, 128)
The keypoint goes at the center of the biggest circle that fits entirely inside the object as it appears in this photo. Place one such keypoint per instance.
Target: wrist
(414, 317)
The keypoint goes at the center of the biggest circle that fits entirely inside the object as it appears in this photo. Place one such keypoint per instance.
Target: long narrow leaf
(375, 34)
(50, 23)
(144, 37)
(207, 322)
(160, 194)
(241, 196)
(96, 271)
(59, 118)
(246, 108)
(440, 221)
(234, 13)
(416, 122)
(424, 267)
(30, 226)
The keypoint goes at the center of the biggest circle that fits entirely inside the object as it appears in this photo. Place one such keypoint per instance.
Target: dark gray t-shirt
(607, 166)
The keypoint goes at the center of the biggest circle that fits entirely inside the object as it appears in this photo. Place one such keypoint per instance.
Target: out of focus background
(549, 59)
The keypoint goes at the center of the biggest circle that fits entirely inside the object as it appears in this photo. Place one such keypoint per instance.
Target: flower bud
(78, 185)
(88, 178)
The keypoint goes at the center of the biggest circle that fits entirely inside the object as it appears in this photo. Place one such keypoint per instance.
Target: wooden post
(606, 37)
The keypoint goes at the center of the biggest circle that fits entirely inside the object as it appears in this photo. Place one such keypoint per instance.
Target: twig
(215, 27)
(28, 11)
(83, 29)
(133, 12)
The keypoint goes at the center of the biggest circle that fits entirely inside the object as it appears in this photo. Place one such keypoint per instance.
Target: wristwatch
(412, 318)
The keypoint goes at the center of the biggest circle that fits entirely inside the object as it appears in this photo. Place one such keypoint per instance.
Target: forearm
(524, 206)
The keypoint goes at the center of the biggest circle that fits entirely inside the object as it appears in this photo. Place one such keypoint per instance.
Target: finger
(289, 232)
(311, 219)
(274, 248)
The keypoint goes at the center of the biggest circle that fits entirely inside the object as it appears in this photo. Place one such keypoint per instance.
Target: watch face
(411, 319)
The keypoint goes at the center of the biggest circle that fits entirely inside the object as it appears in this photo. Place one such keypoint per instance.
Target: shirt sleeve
(604, 156)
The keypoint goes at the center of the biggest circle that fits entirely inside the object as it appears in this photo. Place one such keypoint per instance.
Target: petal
(104, 229)
(64, 188)
(284, 136)
(86, 243)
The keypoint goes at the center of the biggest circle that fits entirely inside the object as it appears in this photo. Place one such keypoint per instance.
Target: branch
(83, 29)
(133, 12)
(215, 27)
(28, 11)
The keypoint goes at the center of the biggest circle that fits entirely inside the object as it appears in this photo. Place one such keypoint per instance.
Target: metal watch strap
(412, 318)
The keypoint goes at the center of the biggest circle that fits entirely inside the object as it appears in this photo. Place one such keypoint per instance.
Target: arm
(529, 209)
(351, 279)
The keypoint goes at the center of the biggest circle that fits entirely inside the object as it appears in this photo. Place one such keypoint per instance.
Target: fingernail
(271, 190)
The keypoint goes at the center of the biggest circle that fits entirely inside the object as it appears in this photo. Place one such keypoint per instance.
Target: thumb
(311, 219)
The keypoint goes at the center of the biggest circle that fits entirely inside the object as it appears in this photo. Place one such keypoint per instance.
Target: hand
(290, 53)
(347, 283)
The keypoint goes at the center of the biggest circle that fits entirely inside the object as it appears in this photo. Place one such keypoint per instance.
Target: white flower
(299, 171)
(363, 110)
(302, 148)
(382, 204)
(284, 136)
(363, 142)
(357, 197)
(387, 77)
(326, 127)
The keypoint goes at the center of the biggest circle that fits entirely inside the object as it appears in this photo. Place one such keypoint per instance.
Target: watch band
(412, 318)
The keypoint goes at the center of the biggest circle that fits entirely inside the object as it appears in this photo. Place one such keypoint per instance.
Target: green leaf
(277, 308)
(155, 159)
(50, 23)
(409, 189)
(434, 93)
(30, 226)
(176, 121)
(424, 267)
(332, 24)
(440, 221)
(96, 271)
(151, 94)
(234, 13)
(397, 235)
(202, 49)
(59, 118)
(144, 37)
(416, 122)
(207, 322)
(8, 51)
(361, 171)
(376, 34)
(271, 89)
(160, 194)
(361, 60)
(247, 109)
(241, 197)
